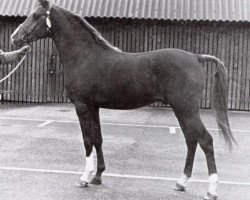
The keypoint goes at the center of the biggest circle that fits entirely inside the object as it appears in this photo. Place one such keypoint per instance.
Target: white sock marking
(183, 180)
(213, 182)
(89, 168)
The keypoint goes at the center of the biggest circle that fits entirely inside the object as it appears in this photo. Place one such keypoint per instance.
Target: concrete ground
(42, 155)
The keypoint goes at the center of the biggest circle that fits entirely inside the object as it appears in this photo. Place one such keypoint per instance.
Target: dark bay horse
(98, 75)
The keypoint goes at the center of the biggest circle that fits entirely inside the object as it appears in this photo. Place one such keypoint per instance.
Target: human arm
(8, 57)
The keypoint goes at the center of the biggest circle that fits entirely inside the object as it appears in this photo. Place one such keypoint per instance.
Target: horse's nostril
(24, 39)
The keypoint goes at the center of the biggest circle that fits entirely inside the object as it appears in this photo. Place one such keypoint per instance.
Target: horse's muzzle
(17, 38)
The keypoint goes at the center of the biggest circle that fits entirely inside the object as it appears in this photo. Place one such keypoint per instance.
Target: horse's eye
(35, 16)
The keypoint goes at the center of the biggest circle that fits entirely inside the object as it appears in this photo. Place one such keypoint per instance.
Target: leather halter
(28, 31)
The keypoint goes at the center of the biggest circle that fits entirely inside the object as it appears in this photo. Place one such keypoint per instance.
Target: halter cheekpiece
(48, 22)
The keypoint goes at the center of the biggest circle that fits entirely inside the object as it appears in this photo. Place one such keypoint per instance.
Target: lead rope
(18, 65)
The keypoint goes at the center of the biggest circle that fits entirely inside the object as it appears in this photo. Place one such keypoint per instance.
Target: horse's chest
(85, 88)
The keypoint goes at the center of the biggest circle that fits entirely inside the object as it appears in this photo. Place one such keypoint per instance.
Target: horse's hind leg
(191, 149)
(191, 136)
(195, 132)
(206, 143)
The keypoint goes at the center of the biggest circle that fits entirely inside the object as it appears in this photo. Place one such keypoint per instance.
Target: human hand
(25, 49)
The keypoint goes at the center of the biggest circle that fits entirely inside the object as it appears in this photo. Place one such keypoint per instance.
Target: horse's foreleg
(100, 165)
(86, 116)
(98, 146)
(89, 168)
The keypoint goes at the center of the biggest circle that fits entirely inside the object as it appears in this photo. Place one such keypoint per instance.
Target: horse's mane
(98, 38)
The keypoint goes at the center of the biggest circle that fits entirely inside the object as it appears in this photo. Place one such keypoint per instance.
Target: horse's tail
(220, 98)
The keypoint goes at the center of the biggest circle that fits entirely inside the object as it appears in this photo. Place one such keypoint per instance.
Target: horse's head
(35, 27)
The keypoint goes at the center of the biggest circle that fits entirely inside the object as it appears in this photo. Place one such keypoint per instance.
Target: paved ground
(42, 155)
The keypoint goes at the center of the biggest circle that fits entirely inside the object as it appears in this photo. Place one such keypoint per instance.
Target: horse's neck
(71, 39)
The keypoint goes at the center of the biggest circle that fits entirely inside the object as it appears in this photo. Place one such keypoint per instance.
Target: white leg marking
(183, 180)
(213, 182)
(89, 168)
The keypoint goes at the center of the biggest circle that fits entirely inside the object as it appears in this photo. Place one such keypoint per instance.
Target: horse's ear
(45, 4)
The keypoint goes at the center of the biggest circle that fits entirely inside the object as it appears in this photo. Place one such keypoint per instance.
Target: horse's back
(168, 66)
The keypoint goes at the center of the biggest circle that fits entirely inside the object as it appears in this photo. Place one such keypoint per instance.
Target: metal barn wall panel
(218, 10)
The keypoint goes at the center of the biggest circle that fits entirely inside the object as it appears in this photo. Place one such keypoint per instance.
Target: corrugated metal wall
(218, 10)
(41, 77)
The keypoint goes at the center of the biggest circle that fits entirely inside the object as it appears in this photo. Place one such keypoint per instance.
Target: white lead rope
(21, 61)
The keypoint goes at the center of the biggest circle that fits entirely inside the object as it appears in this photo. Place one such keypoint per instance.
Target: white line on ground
(45, 123)
(119, 175)
(115, 124)
(172, 130)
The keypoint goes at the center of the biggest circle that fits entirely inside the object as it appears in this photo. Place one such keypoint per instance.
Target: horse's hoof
(96, 181)
(81, 184)
(210, 197)
(179, 187)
